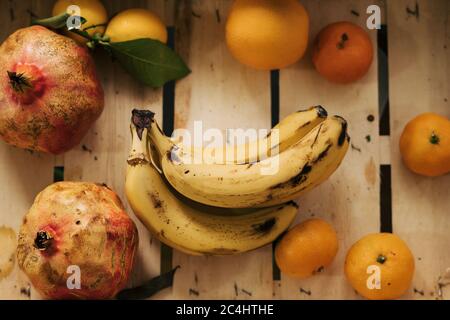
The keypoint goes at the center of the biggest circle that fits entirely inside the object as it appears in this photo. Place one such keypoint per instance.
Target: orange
(134, 24)
(425, 145)
(92, 10)
(307, 248)
(267, 34)
(342, 52)
(386, 253)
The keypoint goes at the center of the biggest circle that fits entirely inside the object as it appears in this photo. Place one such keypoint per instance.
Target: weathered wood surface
(419, 70)
(350, 198)
(224, 94)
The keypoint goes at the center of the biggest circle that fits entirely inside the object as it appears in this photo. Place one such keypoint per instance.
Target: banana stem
(138, 151)
(140, 123)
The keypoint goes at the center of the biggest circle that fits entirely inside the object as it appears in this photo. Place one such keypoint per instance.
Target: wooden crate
(371, 191)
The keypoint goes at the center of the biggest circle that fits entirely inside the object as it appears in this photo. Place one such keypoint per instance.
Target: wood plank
(350, 198)
(419, 69)
(22, 173)
(101, 157)
(223, 94)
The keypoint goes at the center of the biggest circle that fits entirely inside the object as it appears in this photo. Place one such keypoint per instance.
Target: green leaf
(55, 22)
(148, 60)
(149, 288)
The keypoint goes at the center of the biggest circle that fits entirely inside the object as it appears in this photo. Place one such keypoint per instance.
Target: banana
(277, 179)
(287, 132)
(193, 228)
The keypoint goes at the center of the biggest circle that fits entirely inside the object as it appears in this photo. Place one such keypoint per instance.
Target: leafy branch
(149, 61)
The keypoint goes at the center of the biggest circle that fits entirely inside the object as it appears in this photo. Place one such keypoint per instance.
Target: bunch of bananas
(225, 205)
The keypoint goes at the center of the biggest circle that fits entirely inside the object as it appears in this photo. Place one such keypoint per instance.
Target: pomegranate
(49, 91)
(77, 226)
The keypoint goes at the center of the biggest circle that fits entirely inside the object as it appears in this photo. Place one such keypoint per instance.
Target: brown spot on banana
(321, 112)
(295, 180)
(304, 125)
(157, 202)
(264, 227)
(343, 135)
(323, 154)
(292, 203)
(136, 161)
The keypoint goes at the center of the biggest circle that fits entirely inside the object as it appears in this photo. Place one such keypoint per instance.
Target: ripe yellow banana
(193, 228)
(287, 132)
(274, 180)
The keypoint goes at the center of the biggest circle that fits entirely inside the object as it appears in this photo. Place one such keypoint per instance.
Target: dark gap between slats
(169, 92)
(166, 253)
(384, 128)
(385, 198)
(275, 96)
(58, 174)
(275, 118)
(383, 81)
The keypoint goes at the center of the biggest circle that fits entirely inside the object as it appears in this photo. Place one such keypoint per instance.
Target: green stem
(381, 259)
(60, 21)
(434, 139)
(344, 38)
(95, 26)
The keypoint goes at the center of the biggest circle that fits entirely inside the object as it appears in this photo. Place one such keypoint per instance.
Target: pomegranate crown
(18, 81)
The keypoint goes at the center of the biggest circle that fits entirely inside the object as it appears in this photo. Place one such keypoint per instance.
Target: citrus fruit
(267, 34)
(307, 248)
(135, 24)
(425, 144)
(387, 253)
(342, 52)
(92, 10)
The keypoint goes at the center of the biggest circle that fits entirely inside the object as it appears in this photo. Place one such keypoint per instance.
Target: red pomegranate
(49, 91)
(77, 225)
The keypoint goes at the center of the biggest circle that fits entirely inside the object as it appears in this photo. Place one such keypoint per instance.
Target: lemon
(267, 34)
(135, 24)
(92, 10)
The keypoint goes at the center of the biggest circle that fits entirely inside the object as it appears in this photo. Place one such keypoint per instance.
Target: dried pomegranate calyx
(18, 81)
(43, 240)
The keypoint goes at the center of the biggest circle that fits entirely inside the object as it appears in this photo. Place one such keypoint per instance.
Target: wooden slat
(102, 155)
(223, 94)
(350, 198)
(419, 68)
(385, 149)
